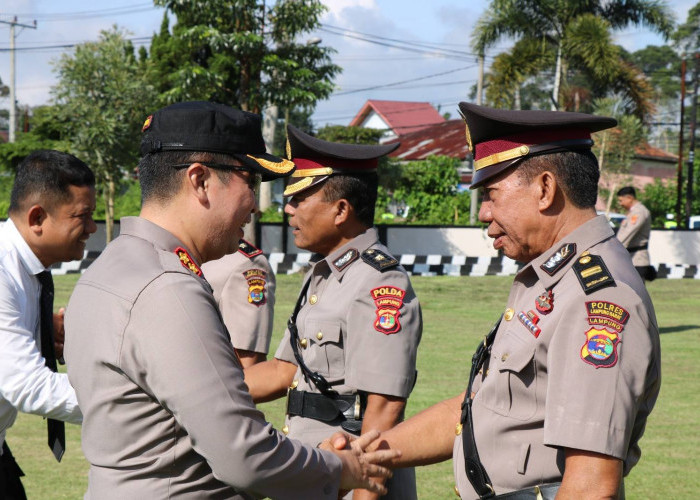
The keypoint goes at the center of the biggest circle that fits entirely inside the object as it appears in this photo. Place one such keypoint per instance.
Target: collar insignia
(187, 261)
(248, 249)
(346, 259)
(559, 258)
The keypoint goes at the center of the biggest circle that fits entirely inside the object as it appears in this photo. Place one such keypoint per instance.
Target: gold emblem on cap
(298, 186)
(470, 146)
(510, 154)
(281, 167)
(288, 149)
(508, 315)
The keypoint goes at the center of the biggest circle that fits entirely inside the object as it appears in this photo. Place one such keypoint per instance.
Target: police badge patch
(600, 348)
(388, 300)
(257, 280)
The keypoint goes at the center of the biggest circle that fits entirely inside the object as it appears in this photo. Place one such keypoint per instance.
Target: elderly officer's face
(510, 208)
(313, 221)
(67, 227)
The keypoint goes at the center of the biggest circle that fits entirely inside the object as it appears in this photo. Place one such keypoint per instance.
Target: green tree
(660, 198)
(242, 53)
(99, 100)
(576, 32)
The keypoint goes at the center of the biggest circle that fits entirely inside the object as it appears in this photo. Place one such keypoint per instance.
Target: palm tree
(556, 21)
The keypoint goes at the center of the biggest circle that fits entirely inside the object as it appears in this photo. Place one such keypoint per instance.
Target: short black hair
(627, 190)
(360, 190)
(575, 171)
(45, 177)
(160, 181)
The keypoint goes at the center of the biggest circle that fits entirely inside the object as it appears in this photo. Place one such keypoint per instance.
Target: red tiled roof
(446, 139)
(402, 117)
(648, 152)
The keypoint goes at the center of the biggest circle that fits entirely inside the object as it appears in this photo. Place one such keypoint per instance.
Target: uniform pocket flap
(515, 361)
(323, 332)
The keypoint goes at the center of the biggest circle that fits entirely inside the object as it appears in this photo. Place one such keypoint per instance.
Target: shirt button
(457, 492)
(508, 315)
(458, 429)
(319, 335)
(303, 343)
(313, 299)
(294, 385)
(504, 357)
(285, 430)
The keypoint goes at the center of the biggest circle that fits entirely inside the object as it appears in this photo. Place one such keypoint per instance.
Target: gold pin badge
(457, 492)
(285, 430)
(508, 315)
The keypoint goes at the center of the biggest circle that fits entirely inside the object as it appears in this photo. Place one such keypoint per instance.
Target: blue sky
(444, 24)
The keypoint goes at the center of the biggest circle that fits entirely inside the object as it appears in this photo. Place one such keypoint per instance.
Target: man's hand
(359, 465)
(59, 333)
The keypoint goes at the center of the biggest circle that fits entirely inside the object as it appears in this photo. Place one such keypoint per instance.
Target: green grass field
(457, 313)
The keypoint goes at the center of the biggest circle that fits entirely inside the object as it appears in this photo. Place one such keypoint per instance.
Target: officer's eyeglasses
(254, 178)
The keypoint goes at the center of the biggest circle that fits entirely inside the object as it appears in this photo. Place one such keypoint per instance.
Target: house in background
(397, 118)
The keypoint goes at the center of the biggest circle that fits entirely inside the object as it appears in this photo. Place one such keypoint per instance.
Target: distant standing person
(244, 289)
(51, 206)
(634, 232)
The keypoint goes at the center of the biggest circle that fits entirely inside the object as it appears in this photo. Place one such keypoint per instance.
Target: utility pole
(13, 99)
(691, 144)
(679, 173)
(474, 195)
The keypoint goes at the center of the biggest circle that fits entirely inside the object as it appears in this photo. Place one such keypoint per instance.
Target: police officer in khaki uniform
(635, 230)
(166, 412)
(560, 390)
(349, 356)
(244, 289)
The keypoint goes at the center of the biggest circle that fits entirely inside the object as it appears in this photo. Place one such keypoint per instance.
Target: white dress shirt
(26, 384)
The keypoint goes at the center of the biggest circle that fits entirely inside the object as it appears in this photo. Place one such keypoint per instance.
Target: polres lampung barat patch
(607, 321)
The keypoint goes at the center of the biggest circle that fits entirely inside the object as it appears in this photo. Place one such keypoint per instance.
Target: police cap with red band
(213, 128)
(316, 160)
(500, 139)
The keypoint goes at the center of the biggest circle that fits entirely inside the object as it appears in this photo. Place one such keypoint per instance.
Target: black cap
(316, 159)
(500, 139)
(213, 128)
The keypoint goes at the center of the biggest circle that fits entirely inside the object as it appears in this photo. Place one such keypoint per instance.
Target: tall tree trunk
(109, 207)
(557, 80)
(517, 104)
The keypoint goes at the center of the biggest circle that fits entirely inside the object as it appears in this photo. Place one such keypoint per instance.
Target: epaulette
(592, 273)
(379, 260)
(247, 249)
(187, 261)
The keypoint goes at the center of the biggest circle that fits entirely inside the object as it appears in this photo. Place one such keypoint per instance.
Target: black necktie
(57, 431)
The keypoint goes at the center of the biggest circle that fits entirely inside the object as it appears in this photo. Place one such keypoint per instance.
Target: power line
(138, 39)
(47, 17)
(402, 81)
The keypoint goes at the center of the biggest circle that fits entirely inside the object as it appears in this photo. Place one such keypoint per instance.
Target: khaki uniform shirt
(361, 327)
(634, 232)
(571, 369)
(244, 290)
(166, 412)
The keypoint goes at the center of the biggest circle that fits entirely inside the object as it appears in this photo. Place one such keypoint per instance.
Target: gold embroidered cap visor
(316, 160)
(500, 139)
(214, 128)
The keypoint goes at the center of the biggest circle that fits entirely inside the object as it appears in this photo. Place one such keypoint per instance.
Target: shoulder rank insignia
(187, 261)
(592, 273)
(379, 260)
(247, 249)
(559, 258)
(388, 300)
(346, 259)
(257, 279)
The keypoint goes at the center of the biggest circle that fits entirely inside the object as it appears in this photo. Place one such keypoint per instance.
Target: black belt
(347, 410)
(637, 249)
(541, 492)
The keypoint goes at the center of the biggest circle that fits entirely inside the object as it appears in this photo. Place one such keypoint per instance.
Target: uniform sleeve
(284, 350)
(384, 327)
(630, 227)
(25, 381)
(187, 364)
(601, 372)
(247, 305)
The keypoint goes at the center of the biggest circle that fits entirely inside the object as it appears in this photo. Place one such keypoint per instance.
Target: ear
(343, 211)
(36, 216)
(197, 183)
(546, 186)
